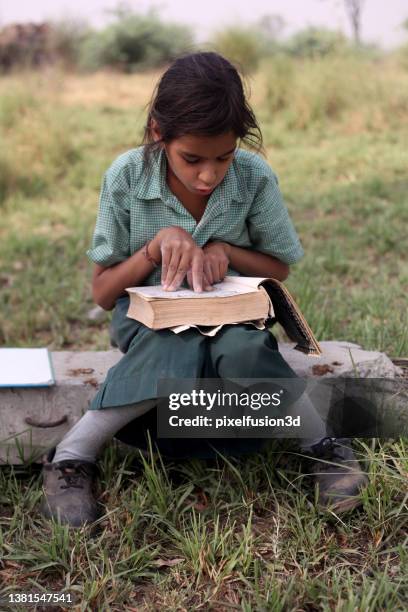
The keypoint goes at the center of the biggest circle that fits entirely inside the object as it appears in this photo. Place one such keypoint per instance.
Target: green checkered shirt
(246, 209)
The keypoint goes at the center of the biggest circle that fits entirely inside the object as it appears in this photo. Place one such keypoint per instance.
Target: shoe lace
(73, 474)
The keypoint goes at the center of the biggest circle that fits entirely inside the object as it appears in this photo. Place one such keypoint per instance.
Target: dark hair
(201, 94)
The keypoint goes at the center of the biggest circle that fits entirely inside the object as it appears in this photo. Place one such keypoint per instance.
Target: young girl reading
(188, 205)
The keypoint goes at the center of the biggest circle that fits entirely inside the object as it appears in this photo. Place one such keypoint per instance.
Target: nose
(208, 176)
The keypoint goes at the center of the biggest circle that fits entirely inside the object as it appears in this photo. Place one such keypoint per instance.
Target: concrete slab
(33, 420)
(344, 359)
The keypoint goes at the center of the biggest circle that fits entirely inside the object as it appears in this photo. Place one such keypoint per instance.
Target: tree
(354, 10)
(271, 25)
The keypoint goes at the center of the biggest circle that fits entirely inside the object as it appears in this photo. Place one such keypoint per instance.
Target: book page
(25, 367)
(245, 281)
(212, 330)
(223, 289)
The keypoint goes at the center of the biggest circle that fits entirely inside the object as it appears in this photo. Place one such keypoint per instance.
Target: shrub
(242, 46)
(65, 40)
(134, 42)
(316, 42)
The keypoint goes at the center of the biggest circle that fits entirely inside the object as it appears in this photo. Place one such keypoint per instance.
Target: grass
(232, 533)
(343, 175)
(222, 534)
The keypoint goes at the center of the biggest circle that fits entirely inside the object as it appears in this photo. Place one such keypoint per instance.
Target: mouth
(205, 191)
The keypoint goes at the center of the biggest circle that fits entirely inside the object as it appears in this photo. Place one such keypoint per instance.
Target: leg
(67, 480)
(84, 441)
(245, 352)
(241, 352)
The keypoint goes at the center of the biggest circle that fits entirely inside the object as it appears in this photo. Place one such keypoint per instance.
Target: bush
(134, 42)
(316, 42)
(242, 46)
(65, 40)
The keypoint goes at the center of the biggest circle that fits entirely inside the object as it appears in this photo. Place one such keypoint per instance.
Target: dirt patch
(79, 371)
(321, 370)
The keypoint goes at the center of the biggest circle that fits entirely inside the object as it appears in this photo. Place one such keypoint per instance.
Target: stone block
(33, 420)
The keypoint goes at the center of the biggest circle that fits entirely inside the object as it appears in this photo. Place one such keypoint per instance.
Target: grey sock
(85, 439)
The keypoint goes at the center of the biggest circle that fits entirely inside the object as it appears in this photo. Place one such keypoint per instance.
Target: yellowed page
(223, 289)
(259, 324)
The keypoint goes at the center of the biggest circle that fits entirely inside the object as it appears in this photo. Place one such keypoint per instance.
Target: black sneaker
(68, 496)
(337, 474)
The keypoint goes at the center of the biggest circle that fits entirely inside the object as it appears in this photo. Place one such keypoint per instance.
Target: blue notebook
(26, 367)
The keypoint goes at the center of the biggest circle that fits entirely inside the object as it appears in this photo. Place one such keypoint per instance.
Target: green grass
(232, 534)
(222, 534)
(343, 177)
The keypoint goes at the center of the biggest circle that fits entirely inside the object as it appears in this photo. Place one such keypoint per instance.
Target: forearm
(111, 283)
(254, 263)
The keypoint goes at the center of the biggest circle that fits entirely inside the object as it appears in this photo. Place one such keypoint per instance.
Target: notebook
(26, 367)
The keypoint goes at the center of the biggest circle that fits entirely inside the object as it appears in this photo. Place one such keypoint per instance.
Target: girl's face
(200, 163)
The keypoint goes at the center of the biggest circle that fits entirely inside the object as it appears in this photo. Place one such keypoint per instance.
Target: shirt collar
(152, 183)
(153, 177)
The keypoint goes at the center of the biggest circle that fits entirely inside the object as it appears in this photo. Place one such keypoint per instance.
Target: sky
(381, 20)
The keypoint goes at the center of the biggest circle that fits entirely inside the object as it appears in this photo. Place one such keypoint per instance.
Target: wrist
(227, 250)
(152, 251)
(226, 247)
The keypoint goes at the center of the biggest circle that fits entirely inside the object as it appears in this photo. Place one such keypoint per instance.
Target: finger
(224, 270)
(166, 256)
(220, 271)
(208, 271)
(190, 279)
(181, 272)
(197, 271)
(215, 269)
(206, 284)
(172, 268)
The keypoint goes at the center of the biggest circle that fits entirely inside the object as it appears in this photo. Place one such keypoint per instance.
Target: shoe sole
(341, 507)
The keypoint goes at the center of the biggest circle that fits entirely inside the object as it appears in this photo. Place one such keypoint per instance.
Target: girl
(187, 205)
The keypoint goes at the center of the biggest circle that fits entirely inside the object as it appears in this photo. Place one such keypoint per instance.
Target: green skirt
(237, 351)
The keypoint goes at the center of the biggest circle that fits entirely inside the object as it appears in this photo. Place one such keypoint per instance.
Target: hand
(179, 255)
(216, 261)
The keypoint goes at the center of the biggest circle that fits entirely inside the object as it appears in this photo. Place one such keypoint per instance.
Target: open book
(237, 299)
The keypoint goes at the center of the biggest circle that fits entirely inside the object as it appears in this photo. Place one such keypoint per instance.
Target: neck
(181, 192)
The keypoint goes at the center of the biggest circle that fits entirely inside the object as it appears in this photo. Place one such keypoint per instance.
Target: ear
(154, 127)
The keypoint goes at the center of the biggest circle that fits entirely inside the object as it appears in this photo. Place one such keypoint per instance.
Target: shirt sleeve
(270, 228)
(110, 242)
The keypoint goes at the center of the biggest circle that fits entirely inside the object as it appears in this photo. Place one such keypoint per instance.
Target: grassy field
(230, 534)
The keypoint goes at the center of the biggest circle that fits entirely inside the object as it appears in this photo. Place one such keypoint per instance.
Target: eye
(219, 159)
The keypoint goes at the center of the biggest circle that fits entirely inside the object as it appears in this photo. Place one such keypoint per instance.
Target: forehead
(205, 146)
